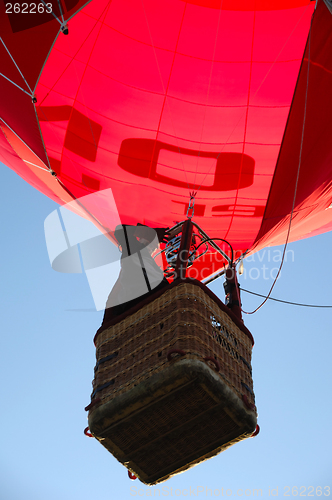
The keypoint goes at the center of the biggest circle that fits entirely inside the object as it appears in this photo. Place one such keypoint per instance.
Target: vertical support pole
(232, 291)
(183, 255)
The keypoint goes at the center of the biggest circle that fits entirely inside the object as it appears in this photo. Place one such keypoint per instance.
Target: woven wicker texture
(183, 318)
(172, 421)
(173, 384)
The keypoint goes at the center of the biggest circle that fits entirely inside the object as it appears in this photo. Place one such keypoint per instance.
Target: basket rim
(176, 283)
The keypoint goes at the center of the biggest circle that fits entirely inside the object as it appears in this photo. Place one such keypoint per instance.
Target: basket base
(172, 421)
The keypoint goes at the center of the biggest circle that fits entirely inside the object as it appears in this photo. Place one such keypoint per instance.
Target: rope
(296, 182)
(61, 14)
(37, 166)
(51, 12)
(284, 301)
(11, 81)
(18, 69)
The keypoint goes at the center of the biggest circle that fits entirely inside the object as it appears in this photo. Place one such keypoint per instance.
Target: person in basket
(140, 276)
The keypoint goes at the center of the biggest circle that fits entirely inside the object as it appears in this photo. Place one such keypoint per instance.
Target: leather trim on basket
(178, 282)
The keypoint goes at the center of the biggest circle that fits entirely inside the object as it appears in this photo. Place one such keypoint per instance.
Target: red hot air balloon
(212, 109)
(159, 100)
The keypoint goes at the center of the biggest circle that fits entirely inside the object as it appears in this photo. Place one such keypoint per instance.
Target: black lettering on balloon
(140, 157)
(83, 134)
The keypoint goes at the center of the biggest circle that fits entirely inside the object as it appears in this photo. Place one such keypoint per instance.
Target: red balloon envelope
(157, 100)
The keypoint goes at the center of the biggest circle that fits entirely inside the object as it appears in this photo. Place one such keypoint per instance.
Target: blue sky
(47, 360)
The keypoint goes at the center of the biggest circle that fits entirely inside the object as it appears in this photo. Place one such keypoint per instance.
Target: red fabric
(157, 99)
(28, 37)
(312, 214)
(10, 158)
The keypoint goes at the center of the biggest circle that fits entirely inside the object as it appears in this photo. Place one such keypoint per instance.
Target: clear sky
(47, 360)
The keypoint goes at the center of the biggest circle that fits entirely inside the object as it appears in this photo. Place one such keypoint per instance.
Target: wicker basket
(173, 383)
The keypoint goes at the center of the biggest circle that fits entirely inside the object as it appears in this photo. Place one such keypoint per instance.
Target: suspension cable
(296, 181)
(284, 301)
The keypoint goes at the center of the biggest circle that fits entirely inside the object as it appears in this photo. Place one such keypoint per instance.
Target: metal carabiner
(191, 206)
